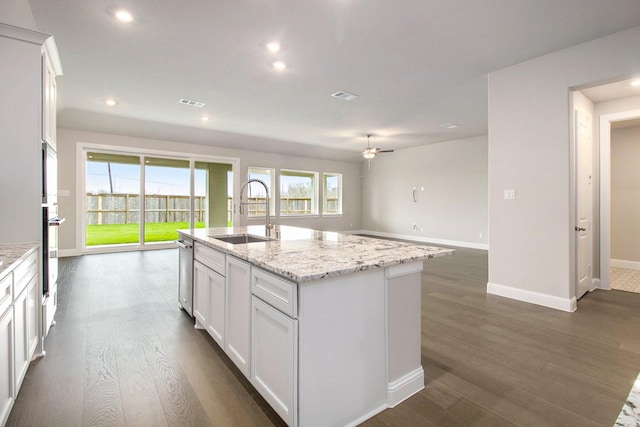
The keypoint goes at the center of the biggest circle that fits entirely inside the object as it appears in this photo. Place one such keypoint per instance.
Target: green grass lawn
(114, 234)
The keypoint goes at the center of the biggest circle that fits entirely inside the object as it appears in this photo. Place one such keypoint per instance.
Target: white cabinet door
(238, 304)
(32, 316)
(200, 294)
(49, 99)
(274, 359)
(6, 364)
(21, 351)
(216, 306)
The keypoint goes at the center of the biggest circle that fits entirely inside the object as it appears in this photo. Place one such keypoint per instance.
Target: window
(255, 193)
(332, 194)
(298, 193)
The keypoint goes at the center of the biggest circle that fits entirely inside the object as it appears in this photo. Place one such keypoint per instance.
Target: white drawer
(24, 272)
(276, 291)
(212, 258)
(5, 292)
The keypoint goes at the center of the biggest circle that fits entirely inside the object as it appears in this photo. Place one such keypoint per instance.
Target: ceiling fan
(370, 152)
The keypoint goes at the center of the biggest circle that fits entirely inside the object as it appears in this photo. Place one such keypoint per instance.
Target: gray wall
(625, 194)
(451, 209)
(17, 13)
(67, 145)
(532, 250)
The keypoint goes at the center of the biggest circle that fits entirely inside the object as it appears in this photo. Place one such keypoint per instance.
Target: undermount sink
(242, 238)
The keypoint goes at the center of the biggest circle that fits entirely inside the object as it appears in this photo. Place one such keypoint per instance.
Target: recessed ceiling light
(205, 118)
(273, 47)
(450, 125)
(279, 65)
(110, 102)
(635, 83)
(123, 15)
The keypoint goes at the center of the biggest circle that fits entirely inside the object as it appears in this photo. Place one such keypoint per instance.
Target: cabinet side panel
(342, 349)
(404, 312)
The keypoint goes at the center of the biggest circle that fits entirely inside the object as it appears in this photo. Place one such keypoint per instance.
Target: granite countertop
(12, 253)
(302, 254)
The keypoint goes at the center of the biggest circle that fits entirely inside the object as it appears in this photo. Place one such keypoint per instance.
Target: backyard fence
(125, 208)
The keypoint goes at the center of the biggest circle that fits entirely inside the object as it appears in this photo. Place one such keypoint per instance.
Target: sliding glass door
(167, 198)
(113, 199)
(134, 200)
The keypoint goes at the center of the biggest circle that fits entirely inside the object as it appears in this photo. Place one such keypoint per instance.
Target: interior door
(584, 194)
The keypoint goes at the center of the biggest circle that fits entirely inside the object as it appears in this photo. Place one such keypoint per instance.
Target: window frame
(325, 201)
(314, 211)
(271, 185)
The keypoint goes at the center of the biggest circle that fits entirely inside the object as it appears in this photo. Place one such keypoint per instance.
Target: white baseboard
(546, 300)
(421, 239)
(405, 387)
(625, 264)
(68, 252)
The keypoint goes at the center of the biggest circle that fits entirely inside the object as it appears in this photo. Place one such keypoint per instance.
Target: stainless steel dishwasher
(185, 275)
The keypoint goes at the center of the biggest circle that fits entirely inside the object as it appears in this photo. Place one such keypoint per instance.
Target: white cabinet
(238, 314)
(200, 272)
(18, 325)
(274, 358)
(222, 302)
(274, 342)
(215, 322)
(7, 394)
(49, 99)
(32, 316)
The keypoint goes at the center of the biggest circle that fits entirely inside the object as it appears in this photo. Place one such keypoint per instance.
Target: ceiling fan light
(368, 154)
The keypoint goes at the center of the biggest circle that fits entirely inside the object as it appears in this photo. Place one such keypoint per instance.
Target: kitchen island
(326, 326)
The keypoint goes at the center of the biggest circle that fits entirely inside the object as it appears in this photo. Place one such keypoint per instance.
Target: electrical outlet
(481, 235)
(509, 194)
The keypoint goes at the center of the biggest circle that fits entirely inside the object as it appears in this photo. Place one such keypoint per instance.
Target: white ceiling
(415, 65)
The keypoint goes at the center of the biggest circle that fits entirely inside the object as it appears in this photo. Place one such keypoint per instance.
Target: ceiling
(415, 65)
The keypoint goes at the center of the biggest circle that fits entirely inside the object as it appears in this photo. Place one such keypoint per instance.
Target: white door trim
(605, 191)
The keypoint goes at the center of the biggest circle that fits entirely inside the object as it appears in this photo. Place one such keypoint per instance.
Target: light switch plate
(509, 194)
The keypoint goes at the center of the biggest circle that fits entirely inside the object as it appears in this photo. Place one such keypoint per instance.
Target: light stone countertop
(12, 253)
(302, 254)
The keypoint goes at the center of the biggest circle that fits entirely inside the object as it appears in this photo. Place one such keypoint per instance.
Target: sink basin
(242, 238)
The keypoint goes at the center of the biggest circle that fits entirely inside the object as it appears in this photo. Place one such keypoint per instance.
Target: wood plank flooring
(123, 354)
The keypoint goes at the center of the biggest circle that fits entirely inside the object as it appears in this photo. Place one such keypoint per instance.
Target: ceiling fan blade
(384, 151)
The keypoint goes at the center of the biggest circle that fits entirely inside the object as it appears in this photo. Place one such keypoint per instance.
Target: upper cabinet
(50, 70)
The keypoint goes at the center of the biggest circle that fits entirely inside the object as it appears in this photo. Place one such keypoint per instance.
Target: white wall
(452, 209)
(17, 13)
(68, 140)
(625, 194)
(531, 253)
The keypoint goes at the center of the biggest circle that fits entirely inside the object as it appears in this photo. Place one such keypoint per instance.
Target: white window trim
(331, 214)
(316, 195)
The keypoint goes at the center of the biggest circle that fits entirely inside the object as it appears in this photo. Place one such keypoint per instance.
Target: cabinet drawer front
(278, 292)
(24, 272)
(213, 259)
(6, 297)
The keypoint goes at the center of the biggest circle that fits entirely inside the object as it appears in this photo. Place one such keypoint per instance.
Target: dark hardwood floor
(122, 353)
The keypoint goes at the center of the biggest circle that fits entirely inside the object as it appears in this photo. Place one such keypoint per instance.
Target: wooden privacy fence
(125, 208)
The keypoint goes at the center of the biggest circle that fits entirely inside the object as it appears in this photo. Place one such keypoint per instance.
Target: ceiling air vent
(344, 95)
(192, 103)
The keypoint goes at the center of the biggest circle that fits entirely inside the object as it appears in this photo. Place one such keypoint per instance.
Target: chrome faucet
(268, 225)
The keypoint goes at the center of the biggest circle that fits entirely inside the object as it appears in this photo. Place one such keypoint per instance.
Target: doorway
(619, 250)
(137, 200)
